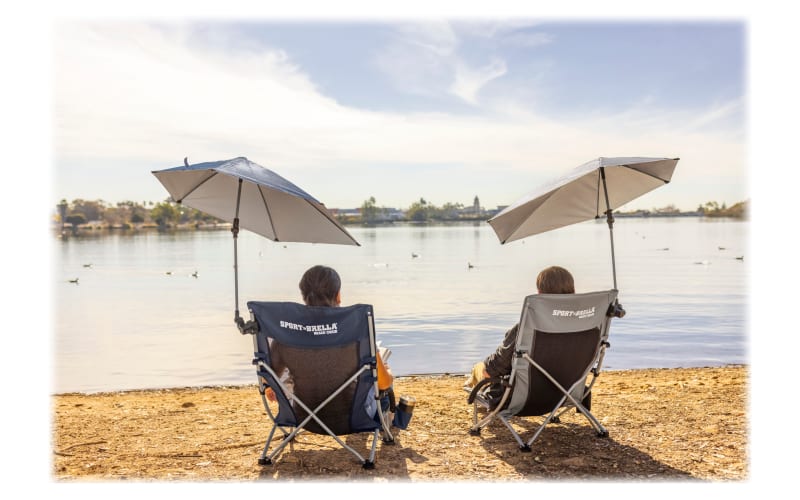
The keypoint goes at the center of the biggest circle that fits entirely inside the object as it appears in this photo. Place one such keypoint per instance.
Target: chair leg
(598, 427)
(288, 439)
(475, 430)
(262, 460)
(371, 459)
(522, 446)
(547, 420)
(386, 431)
(480, 401)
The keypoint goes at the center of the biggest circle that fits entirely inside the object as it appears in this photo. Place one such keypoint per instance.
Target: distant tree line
(708, 209)
(128, 214)
(419, 211)
(165, 214)
(713, 209)
(422, 210)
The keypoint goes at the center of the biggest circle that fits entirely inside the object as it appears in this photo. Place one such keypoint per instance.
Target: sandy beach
(687, 424)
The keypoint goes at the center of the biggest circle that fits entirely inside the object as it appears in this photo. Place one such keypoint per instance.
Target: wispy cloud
(429, 59)
(497, 29)
(716, 115)
(434, 37)
(469, 81)
(137, 90)
(426, 59)
(527, 39)
(419, 58)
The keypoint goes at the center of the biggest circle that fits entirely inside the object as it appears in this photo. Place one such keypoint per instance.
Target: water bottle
(405, 408)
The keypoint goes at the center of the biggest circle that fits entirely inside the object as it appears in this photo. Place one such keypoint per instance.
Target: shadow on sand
(572, 451)
(313, 462)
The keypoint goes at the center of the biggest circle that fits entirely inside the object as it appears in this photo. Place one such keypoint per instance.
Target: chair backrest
(562, 333)
(314, 351)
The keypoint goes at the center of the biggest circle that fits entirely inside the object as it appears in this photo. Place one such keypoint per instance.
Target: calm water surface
(128, 324)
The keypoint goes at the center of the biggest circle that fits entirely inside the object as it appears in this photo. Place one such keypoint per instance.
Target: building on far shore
(384, 214)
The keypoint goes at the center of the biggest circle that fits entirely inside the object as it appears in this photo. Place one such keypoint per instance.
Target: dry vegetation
(664, 424)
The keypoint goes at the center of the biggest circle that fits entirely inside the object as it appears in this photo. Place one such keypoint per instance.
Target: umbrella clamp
(235, 227)
(615, 310)
(246, 328)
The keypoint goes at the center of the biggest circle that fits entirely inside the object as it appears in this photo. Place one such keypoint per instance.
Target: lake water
(128, 324)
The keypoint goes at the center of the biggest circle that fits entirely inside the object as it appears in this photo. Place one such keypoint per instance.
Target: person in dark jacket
(554, 279)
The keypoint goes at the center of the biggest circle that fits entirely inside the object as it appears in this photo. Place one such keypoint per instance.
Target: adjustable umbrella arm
(616, 309)
(610, 221)
(235, 231)
(246, 327)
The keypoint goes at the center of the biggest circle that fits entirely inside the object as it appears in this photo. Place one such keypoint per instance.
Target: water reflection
(140, 318)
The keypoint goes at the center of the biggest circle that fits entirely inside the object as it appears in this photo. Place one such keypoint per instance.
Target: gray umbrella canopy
(590, 191)
(268, 204)
(254, 198)
(579, 195)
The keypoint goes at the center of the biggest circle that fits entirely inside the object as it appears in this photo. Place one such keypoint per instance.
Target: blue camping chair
(321, 364)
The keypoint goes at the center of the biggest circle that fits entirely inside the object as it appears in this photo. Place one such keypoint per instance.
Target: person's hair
(320, 285)
(555, 279)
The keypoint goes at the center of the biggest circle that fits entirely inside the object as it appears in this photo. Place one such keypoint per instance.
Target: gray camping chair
(561, 340)
(321, 364)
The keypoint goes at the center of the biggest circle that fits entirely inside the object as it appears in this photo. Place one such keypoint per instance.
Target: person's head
(321, 286)
(555, 279)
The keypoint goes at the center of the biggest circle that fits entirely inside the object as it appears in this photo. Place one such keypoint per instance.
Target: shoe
(493, 394)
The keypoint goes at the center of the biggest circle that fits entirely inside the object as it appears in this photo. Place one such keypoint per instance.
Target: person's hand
(270, 394)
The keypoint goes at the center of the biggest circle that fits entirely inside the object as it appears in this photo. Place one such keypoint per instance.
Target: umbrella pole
(610, 220)
(235, 230)
(617, 310)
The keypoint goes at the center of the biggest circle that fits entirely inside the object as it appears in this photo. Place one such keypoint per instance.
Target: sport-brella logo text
(324, 329)
(582, 313)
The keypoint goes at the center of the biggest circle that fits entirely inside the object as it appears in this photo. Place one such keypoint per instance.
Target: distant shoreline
(100, 228)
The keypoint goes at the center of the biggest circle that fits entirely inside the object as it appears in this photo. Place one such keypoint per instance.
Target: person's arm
(499, 362)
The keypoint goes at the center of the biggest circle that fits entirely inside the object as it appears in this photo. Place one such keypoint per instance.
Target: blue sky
(399, 109)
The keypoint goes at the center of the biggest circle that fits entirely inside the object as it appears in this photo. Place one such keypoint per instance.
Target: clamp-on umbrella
(254, 198)
(590, 191)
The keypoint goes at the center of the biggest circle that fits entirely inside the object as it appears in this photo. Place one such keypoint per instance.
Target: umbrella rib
(645, 173)
(597, 210)
(214, 173)
(521, 222)
(269, 214)
(328, 217)
(597, 202)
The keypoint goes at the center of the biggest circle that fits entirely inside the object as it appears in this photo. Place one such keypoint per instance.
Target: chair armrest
(480, 385)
